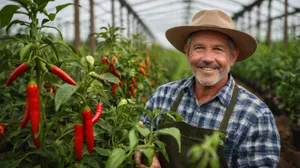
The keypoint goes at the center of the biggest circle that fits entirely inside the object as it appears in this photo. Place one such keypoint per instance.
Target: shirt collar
(224, 95)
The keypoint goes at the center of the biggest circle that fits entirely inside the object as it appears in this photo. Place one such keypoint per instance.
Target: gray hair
(231, 44)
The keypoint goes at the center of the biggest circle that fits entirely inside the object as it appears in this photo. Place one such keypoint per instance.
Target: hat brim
(247, 45)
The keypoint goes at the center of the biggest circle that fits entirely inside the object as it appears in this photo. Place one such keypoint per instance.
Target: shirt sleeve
(144, 118)
(261, 146)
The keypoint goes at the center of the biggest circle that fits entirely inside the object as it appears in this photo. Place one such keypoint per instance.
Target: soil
(289, 154)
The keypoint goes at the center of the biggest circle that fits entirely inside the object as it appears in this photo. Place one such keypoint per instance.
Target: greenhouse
(149, 83)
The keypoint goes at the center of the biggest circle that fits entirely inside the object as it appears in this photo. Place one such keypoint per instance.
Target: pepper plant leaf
(116, 158)
(6, 14)
(63, 94)
(133, 139)
(172, 131)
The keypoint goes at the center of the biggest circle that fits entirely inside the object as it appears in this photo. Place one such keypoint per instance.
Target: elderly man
(211, 100)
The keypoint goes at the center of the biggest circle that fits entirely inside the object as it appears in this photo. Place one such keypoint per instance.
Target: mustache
(203, 64)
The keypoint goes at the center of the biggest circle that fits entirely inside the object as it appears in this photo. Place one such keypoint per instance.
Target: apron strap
(228, 112)
(177, 101)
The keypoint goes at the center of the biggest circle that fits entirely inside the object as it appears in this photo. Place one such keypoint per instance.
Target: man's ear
(235, 55)
(185, 47)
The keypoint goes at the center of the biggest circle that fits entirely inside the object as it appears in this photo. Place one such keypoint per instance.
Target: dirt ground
(289, 155)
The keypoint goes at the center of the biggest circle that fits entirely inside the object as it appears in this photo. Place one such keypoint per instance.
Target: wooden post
(258, 21)
(269, 24)
(249, 22)
(285, 29)
(77, 25)
(128, 23)
(121, 18)
(92, 28)
(113, 13)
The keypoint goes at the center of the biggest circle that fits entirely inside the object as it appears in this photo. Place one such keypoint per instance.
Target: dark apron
(190, 136)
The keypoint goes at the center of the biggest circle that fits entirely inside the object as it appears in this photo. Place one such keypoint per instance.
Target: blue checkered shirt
(252, 138)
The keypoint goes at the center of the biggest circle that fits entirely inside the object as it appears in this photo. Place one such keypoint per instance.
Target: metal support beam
(124, 3)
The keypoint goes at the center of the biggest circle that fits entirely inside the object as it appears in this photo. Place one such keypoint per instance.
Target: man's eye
(198, 48)
(218, 49)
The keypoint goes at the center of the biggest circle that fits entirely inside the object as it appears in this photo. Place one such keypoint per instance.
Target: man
(211, 100)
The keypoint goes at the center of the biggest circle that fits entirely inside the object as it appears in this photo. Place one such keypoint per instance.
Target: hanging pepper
(26, 116)
(34, 110)
(98, 113)
(88, 127)
(142, 70)
(105, 60)
(78, 140)
(17, 72)
(113, 70)
(60, 73)
(2, 131)
(148, 62)
(132, 91)
(134, 83)
(114, 88)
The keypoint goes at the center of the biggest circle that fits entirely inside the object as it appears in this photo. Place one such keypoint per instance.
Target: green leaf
(51, 16)
(149, 153)
(102, 151)
(45, 21)
(116, 158)
(6, 14)
(133, 139)
(105, 125)
(60, 35)
(42, 4)
(172, 131)
(105, 76)
(162, 149)
(90, 59)
(15, 22)
(143, 130)
(60, 42)
(63, 94)
(60, 7)
(25, 50)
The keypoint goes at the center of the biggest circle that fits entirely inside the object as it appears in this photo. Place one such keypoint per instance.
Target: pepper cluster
(86, 130)
(113, 70)
(32, 107)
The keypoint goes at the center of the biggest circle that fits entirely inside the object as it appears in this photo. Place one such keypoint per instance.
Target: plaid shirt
(252, 138)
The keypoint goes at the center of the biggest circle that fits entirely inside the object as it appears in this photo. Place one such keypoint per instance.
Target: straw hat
(214, 20)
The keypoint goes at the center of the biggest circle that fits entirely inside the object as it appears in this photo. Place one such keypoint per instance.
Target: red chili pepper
(2, 131)
(78, 140)
(34, 110)
(132, 91)
(104, 60)
(88, 127)
(114, 88)
(60, 73)
(134, 83)
(113, 70)
(17, 72)
(120, 84)
(26, 116)
(98, 113)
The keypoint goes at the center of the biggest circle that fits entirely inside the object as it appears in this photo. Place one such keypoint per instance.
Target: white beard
(207, 82)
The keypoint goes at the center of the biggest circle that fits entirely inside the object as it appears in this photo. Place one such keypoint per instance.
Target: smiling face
(210, 57)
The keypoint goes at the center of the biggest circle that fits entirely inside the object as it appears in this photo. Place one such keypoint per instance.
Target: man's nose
(208, 57)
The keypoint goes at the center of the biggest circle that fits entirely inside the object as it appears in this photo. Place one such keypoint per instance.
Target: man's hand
(138, 157)
(139, 164)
